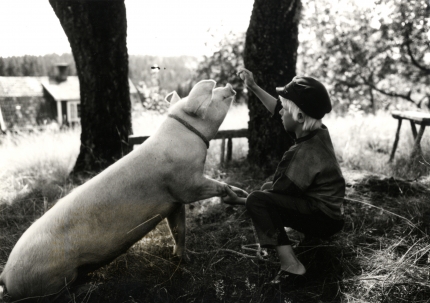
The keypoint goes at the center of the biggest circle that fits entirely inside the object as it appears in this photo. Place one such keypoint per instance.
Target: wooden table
(423, 119)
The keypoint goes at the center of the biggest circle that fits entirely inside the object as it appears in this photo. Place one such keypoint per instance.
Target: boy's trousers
(271, 212)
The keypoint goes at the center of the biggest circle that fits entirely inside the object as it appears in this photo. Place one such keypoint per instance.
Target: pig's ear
(199, 98)
(172, 97)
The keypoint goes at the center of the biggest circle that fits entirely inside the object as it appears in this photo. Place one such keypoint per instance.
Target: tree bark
(97, 32)
(271, 54)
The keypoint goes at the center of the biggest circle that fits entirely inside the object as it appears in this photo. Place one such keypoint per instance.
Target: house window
(73, 111)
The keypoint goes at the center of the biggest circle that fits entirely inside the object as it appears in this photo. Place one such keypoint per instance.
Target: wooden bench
(222, 134)
(423, 119)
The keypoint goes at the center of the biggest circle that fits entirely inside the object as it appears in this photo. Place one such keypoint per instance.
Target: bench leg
(414, 129)
(229, 149)
(416, 151)
(396, 141)
(222, 151)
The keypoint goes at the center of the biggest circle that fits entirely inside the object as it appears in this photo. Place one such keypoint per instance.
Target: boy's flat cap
(308, 94)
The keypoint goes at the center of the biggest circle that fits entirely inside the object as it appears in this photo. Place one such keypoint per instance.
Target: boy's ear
(300, 117)
(199, 98)
(172, 98)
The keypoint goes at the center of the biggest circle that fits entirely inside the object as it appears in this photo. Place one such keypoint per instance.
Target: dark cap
(308, 94)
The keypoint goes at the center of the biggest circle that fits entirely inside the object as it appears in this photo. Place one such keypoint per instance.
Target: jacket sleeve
(278, 108)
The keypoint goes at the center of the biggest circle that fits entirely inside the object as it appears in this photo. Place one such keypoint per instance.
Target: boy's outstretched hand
(235, 196)
(247, 77)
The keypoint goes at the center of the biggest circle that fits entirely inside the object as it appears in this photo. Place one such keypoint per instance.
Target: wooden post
(396, 140)
(222, 151)
(229, 149)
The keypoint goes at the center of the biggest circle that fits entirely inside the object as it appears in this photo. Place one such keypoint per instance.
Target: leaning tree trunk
(271, 54)
(97, 33)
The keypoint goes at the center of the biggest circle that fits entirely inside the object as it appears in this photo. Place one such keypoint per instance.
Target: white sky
(155, 27)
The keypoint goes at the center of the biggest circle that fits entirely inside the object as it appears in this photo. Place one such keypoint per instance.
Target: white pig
(101, 219)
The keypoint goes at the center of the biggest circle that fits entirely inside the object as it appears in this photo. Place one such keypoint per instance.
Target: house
(26, 102)
(22, 103)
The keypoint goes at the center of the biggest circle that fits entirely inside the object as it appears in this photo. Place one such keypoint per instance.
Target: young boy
(308, 188)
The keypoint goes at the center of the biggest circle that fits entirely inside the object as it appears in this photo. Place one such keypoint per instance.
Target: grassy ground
(382, 255)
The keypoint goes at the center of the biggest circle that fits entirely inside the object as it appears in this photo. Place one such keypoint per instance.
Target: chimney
(62, 69)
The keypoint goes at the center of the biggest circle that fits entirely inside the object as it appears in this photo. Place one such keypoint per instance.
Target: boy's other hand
(235, 196)
(247, 77)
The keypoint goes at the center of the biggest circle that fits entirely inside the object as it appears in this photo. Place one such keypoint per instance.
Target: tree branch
(387, 93)
(414, 61)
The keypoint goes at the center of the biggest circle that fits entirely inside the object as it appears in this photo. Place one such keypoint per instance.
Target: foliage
(223, 64)
(368, 56)
(172, 71)
(36, 66)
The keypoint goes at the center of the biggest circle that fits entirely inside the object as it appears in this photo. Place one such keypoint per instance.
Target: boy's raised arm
(268, 100)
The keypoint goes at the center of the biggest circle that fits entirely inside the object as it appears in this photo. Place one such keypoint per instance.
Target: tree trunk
(97, 32)
(271, 54)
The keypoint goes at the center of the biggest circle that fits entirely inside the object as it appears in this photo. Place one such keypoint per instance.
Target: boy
(308, 188)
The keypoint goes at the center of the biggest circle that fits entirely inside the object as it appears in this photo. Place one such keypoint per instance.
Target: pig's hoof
(182, 258)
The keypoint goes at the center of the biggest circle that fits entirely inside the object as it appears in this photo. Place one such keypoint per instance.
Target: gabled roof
(65, 90)
(33, 87)
(69, 89)
(21, 86)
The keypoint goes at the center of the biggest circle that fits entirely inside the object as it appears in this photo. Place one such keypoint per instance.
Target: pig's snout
(232, 91)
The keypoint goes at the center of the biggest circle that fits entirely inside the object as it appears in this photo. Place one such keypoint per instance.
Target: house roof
(21, 86)
(69, 89)
(33, 86)
(65, 90)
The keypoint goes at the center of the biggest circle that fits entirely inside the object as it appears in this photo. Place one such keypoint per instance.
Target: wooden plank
(232, 133)
(417, 117)
(135, 140)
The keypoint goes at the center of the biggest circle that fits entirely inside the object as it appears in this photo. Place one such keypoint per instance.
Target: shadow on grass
(148, 273)
(16, 217)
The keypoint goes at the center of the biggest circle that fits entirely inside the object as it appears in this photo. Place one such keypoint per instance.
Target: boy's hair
(310, 123)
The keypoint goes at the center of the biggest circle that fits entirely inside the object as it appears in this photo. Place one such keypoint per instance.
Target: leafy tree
(270, 53)
(223, 64)
(368, 56)
(96, 31)
(172, 70)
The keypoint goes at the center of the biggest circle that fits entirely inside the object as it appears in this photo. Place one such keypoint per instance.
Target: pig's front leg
(176, 222)
(204, 188)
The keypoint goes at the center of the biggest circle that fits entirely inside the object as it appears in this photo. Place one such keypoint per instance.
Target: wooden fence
(223, 135)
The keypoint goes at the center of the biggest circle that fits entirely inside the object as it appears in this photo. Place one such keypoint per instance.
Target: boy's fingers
(238, 201)
(239, 191)
(243, 70)
(230, 192)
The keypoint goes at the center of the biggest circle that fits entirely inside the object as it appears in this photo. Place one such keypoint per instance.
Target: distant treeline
(172, 71)
(35, 66)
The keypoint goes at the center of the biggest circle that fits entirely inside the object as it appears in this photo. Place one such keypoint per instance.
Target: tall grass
(382, 255)
(36, 160)
(364, 142)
